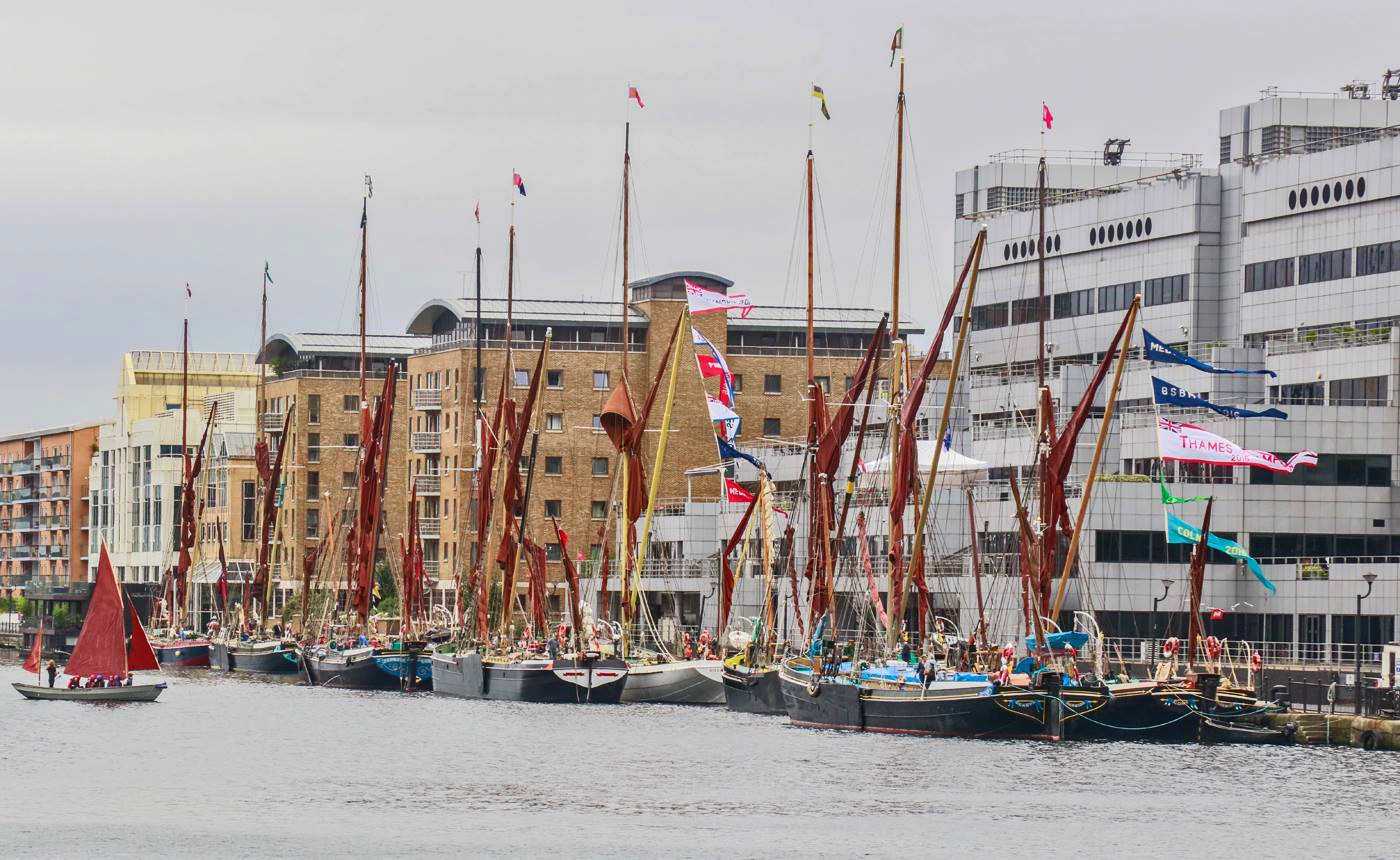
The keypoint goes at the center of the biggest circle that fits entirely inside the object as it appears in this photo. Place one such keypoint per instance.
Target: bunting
(1180, 531)
(1190, 444)
(703, 301)
(1157, 350)
(1165, 393)
(1169, 499)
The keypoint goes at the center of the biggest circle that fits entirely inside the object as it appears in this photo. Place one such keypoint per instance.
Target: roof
(328, 343)
(826, 319)
(50, 431)
(238, 445)
(172, 361)
(669, 276)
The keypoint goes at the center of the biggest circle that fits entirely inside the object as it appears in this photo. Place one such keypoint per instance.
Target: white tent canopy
(954, 469)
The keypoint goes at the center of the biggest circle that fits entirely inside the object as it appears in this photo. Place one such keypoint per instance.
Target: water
(240, 767)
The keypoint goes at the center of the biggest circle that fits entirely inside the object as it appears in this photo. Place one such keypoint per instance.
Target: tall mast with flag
(896, 588)
(364, 251)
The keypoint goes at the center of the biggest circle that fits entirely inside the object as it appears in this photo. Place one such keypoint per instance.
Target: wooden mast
(1045, 535)
(364, 248)
(981, 631)
(624, 531)
(626, 218)
(177, 600)
(896, 589)
(811, 354)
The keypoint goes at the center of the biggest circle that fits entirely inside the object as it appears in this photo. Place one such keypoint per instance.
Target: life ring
(1008, 653)
(1170, 647)
(1255, 662)
(1212, 647)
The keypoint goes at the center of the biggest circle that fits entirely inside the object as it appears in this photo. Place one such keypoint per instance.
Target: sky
(146, 145)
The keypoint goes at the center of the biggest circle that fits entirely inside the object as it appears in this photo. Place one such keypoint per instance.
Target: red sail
(571, 577)
(534, 571)
(869, 571)
(726, 591)
(32, 662)
(188, 516)
(603, 573)
(272, 476)
(101, 648)
(223, 570)
(139, 654)
(373, 472)
(789, 542)
(1197, 575)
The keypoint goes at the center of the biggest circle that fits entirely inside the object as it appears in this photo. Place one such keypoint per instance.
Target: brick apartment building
(44, 504)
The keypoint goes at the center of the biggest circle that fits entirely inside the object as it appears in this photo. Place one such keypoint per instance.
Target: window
(250, 511)
(772, 427)
(347, 480)
(1025, 310)
(554, 378)
(313, 409)
(522, 379)
(1326, 266)
(554, 422)
(1117, 297)
(1075, 304)
(1269, 275)
(1165, 291)
(600, 380)
(479, 388)
(553, 552)
(313, 522)
(772, 383)
(1377, 259)
(313, 486)
(738, 380)
(600, 467)
(351, 440)
(598, 510)
(597, 424)
(1365, 391)
(553, 508)
(313, 447)
(554, 465)
(1297, 394)
(990, 316)
(825, 383)
(350, 403)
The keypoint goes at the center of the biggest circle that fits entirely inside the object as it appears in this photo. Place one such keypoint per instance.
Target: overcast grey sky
(149, 144)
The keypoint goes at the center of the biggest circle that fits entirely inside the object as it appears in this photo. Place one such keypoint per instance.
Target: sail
(571, 578)
(32, 662)
(188, 515)
(726, 591)
(139, 654)
(1197, 575)
(271, 477)
(101, 648)
(870, 571)
(373, 472)
(789, 553)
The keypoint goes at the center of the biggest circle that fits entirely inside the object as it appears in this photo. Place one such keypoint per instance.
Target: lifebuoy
(1169, 647)
(1212, 647)
(1256, 662)
(1008, 653)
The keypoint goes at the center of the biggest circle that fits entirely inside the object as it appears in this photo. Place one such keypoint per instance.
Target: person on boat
(73, 683)
(116, 681)
(553, 647)
(130, 679)
(361, 641)
(52, 669)
(277, 630)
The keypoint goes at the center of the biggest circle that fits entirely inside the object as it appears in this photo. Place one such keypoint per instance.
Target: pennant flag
(519, 183)
(735, 492)
(820, 94)
(1045, 115)
(1169, 499)
(364, 213)
(1179, 531)
(704, 301)
(635, 96)
(727, 451)
(1190, 444)
(189, 294)
(1156, 350)
(713, 365)
(1172, 395)
(948, 439)
(267, 272)
(727, 418)
(1217, 614)
(896, 44)
(477, 214)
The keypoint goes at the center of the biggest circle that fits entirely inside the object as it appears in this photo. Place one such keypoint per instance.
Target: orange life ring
(1256, 662)
(1212, 647)
(1170, 646)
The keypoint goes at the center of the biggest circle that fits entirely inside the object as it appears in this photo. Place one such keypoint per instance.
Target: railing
(1344, 339)
(24, 467)
(427, 398)
(25, 525)
(430, 527)
(272, 422)
(519, 345)
(55, 463)
(318, 373)
(1320, 567)
(428, 485)
(424, 442)
(824, 352)
(1322, 697)
(1340, 655)
(54, 491)
(431, 567)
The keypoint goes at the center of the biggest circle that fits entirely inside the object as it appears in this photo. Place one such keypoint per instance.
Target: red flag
(1217, 614)
(734, 492)
(710, 366)
(477, 213)
(633, 94)
(31, 663)
(1045, 115)
(518, 182)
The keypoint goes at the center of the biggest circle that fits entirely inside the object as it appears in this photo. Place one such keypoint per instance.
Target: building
(1281, 258)
(575, 477)
(44, 505)
(313, 389)
(136, 470)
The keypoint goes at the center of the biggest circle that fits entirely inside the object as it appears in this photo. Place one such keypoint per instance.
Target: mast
(262, 347)
(898, 200)
(1046, 539)
(1197, 572)
(811, 355)
(626, 223)
(896, 361)
(1040, 262)
(176, 603)
(364, 248)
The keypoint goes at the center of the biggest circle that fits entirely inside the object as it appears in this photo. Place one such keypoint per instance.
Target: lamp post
(1166, 589)
(1356, 635)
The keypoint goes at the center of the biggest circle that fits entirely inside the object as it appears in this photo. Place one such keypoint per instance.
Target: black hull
(360, 673)
(753, 692)
(1172, 714)
(826, 705)
(597, 681)
(182, 655)
(283, 661)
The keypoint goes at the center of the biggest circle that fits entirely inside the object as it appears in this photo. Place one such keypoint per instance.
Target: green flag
(1169, 499)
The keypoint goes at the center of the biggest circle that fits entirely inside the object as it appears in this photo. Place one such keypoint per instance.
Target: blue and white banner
(1156, 350)
(1180, 531)
(1164, 392)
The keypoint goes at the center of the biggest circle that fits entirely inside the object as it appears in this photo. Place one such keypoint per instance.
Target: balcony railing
(428, 485)
(432, 567)
(50, 464)
(54, 491)
(424, 442)
(427, 398)
(23, 525)
(430, 527)
(24, 467)
(272, 422)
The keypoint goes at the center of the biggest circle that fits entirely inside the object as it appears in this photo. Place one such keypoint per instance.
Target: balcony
(271, 422)
(427, 399)
(430, 528)
(54, 491)
(425, 442)
(429, 485)
(52, 464)
(24, 467)
(22, 551)
(23, 525)
(432, 567)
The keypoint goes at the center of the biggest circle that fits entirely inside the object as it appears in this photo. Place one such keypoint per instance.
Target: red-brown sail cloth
(726, 591)
(101, 648)
(139, 654)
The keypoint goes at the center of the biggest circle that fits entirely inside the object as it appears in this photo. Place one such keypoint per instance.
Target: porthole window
(1139, 226)
(1313, 196)
(1326, 194)
(1293, 198)
(1025, 251)
(1361, 186)
(1147, 226)
(1006, 252)
(1120, 232)
(1015, 251)
(1093, 236)
(1302, 197)
(1101, 234)
(1336, 191)
(1351, 187)
(1057, 243)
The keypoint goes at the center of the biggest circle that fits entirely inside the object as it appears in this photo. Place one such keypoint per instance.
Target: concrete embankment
(1370, 733)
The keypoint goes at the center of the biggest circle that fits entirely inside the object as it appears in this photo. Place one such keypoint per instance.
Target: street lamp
(1166, 589)
(1356, 635)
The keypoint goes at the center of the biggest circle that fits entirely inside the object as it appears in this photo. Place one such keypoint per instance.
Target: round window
(1361, 187)
(1312, 198)
(1351, 188)
(1293, 200)
(1147, 226)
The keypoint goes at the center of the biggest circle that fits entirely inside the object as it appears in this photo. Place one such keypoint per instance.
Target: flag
(477, 213)
(713, 365)
(820, 94)
(727, 451)
(189, 294)
(1179, 531)
(1217, 614)
(364, 213)
(519, 183)
(703, 301)
(267, 273)
(1169, 499)
(1190, 444)
(1045, 115)
(735, 492)
(727, 418)
(1172, 395)
(896, 44)
(633, 94)
(1156, 350)
(948, 439)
